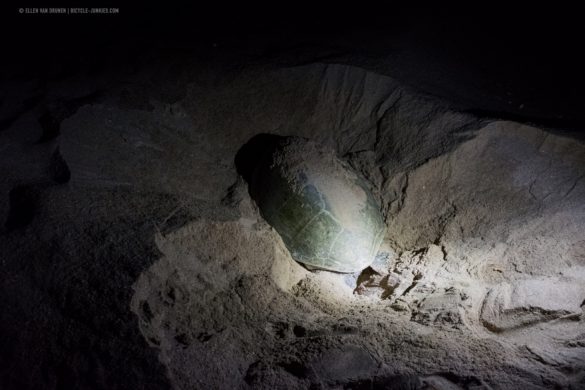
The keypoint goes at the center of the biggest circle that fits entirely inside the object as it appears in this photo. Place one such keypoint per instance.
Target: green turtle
(322, 209)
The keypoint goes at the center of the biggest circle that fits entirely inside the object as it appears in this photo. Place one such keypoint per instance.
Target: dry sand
(153, 263)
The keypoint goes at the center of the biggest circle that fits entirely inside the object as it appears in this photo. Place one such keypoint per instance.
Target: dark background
(518, 62)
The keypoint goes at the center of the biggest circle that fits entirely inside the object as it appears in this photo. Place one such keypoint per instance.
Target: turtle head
(254, 152)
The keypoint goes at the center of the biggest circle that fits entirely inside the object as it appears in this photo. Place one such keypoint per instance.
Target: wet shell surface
(322, 209)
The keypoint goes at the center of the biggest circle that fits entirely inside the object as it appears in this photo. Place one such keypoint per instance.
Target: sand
(145, 264)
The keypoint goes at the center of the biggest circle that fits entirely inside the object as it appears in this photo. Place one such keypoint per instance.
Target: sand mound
(483, 262)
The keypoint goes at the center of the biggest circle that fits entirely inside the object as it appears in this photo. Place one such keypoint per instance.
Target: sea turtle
(321, 208)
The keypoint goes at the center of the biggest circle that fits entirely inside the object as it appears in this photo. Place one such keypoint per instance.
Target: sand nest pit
(139, 260)
(483, 262)
(233, 284)
(228, 296)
